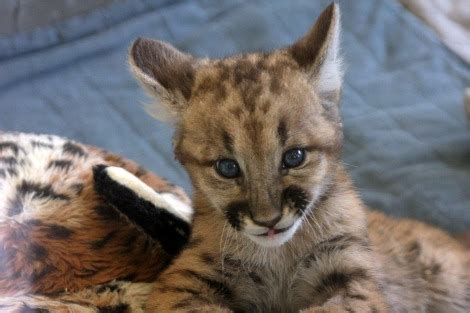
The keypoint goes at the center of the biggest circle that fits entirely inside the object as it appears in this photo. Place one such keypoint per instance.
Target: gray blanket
(407, 142)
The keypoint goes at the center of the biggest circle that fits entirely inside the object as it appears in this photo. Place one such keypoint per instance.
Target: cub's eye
(293, 158)
(227, 168)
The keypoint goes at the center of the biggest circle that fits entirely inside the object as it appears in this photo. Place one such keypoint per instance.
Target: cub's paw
(161, 215)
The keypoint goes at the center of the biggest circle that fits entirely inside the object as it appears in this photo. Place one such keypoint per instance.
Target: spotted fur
(68, 227)
(276, 239)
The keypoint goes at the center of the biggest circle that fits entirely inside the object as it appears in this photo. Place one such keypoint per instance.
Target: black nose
(269, 223)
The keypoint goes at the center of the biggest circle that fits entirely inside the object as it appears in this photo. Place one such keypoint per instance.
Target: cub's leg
(341, 275)
(192, 283)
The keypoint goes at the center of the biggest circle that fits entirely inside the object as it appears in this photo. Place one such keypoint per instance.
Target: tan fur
(342, 258)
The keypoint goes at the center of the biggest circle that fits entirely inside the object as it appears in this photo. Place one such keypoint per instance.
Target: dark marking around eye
(282, 132)
(228, 142)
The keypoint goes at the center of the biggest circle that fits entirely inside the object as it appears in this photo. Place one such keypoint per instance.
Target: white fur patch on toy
(162, 200)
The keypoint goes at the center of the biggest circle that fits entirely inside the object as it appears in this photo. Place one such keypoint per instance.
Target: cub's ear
(166, 73)
(317, 53)
(162, 216)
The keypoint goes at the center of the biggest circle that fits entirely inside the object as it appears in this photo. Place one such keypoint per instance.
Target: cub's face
(259, 134)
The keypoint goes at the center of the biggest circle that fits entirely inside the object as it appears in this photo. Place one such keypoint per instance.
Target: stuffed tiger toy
(81, 229)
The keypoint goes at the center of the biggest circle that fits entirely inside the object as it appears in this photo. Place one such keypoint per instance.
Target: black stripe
(108, 288)
(15, 206)
(357, 296)
(218, 287)
(282, 132)
(194, 242)
(128, 277)
(73, 149)
(10, 171)
(60, 164)
(99, 244)
(106, 212)
(87, 272)
(119, 308)
(39, 191)
(183, 303)
(9, 145)
(339, 280)
(36, 252)
(9, 161)
(194, 292)
(39, 144)
(27, 309)
(36, 276)
(58, 232)
(341, 242)
(228, 142)
(255, 278)
(207, 258)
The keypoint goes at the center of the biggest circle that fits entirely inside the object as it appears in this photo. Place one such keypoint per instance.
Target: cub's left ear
(166, 73)
(161, 215)
(317, 53)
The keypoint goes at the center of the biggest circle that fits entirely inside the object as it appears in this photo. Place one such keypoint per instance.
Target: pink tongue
(271, 233)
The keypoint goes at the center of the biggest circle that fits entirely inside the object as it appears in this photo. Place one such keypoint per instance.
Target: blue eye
(293, 158)
(227, 168)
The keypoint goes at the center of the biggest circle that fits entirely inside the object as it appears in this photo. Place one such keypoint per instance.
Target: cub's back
(424, 269)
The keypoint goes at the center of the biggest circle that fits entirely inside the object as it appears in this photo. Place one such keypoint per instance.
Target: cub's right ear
(166, 73)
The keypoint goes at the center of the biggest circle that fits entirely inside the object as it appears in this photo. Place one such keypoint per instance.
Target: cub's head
(258, 133)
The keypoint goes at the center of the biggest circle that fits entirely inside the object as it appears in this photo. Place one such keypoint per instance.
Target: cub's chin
(274, 237)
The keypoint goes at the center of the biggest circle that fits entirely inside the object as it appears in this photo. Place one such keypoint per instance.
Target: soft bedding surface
(407, 140)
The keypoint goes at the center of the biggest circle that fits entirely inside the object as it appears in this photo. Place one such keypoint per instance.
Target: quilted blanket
(407, 138)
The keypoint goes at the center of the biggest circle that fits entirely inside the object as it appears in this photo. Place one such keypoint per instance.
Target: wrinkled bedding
(407, 138)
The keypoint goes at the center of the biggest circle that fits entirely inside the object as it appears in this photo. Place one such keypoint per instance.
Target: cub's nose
(270, 223)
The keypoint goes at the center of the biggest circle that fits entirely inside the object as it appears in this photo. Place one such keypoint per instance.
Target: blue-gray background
(407, 139)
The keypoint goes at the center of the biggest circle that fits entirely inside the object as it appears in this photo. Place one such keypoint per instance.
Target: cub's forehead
(253, 97)
(266, 84)
(243, 78)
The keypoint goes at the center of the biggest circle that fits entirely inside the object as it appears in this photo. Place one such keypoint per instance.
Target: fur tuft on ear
(166, 74)
(317, 53)
(162, 216)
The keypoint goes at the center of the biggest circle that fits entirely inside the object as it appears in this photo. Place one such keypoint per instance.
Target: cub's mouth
(276, 236)
(271, 232)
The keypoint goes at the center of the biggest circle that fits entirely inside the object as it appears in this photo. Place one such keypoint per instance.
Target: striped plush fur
(75, 234)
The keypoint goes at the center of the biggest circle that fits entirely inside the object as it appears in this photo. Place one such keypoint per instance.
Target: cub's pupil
(293, 158)
(228, 168)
